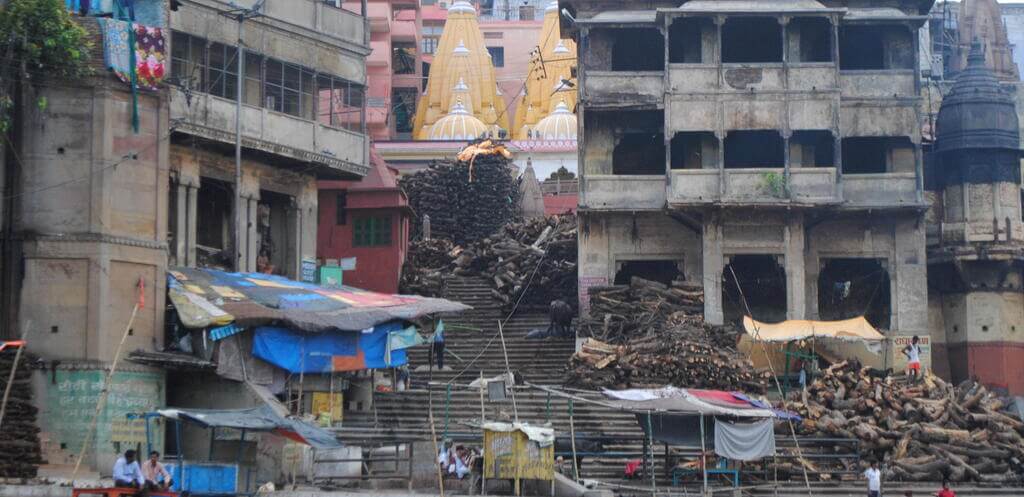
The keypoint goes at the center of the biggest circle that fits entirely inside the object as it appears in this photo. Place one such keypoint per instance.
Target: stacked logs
(656, 361)
(920, 432)
(20, 453)
(425, 265)
(643, 308)
(466, 200)
(532, 262)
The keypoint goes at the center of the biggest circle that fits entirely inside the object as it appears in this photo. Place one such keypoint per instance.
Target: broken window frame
(881, 290)
(890, 144)
(612, 35)
(674, 56)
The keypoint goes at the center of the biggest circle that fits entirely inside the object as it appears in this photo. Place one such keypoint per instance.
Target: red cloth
(632, 467)
(946, 493)
(718, 396)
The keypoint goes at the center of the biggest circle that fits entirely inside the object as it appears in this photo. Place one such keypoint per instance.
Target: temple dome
(459, 124)
(977, 112)
(559, 125)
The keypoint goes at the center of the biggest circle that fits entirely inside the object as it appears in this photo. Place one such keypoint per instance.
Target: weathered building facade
(302, 119)
(769, 149)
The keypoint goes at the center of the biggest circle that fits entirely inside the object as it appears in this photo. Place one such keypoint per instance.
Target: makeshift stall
(783, 344)
(217, 478)
(742, 426)
(518, 451)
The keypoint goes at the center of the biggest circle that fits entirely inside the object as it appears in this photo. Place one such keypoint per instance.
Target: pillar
(713, 266)
(796, 296)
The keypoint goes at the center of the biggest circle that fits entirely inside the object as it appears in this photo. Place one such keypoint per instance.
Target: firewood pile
(532, 262)
(659, 360)
(425, 266)
(920, 432)
(623, 312)
(466, 199)
(543, 249)
(20, 453)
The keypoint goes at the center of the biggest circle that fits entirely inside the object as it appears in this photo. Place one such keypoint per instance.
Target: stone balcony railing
(339, 153)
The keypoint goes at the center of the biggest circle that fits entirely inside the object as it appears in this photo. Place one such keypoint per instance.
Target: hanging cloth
(745, 441)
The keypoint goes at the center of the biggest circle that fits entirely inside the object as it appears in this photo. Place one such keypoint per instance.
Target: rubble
(466, 199)
(20, 454)
(920, 432)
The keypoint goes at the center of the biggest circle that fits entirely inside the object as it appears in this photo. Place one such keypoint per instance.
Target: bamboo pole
(106, 382)
(515, 409)
(483, 421)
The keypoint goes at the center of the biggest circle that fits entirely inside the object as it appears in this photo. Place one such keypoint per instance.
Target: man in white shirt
(127, 473)
(874, 477)
(913, 353)
(156, 476)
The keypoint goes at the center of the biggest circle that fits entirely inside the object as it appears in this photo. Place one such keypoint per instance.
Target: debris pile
(921, 432)
(543, 249)
(20, 453)
(659, 360)
(539, 254)
(466, 199)
(425, 266)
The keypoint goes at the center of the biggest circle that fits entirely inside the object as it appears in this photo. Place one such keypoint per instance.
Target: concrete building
(303, 119)
(84, 233)
(394, 68)
(770, 150)
(367, 220)
(976, 238)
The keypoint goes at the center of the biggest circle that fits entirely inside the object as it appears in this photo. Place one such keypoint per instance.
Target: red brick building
(368, 220)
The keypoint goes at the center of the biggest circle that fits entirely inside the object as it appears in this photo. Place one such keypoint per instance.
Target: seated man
(154, 473)
(127, 473)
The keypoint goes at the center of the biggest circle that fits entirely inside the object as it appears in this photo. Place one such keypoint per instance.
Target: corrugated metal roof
(766, 6)
(623, 17)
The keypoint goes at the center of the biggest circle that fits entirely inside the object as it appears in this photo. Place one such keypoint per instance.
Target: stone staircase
(475, 348)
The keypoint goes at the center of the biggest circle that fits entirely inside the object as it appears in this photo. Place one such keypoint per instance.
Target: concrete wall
(607, 240)
(67, 397)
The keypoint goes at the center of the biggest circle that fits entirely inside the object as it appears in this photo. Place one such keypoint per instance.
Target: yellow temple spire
(462, 73)
(550, 86)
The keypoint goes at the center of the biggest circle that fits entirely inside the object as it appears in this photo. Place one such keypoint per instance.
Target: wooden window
(372, 231)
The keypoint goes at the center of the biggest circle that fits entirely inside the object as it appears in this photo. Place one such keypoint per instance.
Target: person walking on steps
(874, 477)
(437, 347)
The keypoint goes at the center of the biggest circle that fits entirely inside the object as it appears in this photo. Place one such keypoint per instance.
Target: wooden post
(10, 378)
(703, 457)
(572, 440)
(515, 410)
(483, 421)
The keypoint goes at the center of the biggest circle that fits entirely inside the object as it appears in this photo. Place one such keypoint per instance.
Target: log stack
(466, 199)
(530, 263)
(660, 360)
(643, 308)
(920, 432)
(20, 453)
(426, 264)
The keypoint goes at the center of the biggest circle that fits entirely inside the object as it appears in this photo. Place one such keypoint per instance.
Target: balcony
(403, 30)
(380, 56)
(891, 83)
(687, 78)
(380, 16)
(624, 89)
(622, 192)
(335, 153)
(880, 190)
(754, 186)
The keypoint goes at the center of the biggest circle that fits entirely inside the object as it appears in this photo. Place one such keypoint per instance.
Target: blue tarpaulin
(298, 352)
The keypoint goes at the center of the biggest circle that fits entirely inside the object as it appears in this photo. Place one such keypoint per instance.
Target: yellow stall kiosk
(519, 451)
